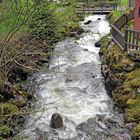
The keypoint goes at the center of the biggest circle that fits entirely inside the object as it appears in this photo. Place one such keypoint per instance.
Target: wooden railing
(128, 40)
(132, 39)
(118, 37)
(122, 21)
(86, 9)
(98, 2)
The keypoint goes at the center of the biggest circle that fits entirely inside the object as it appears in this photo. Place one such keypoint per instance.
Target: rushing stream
(74, 87)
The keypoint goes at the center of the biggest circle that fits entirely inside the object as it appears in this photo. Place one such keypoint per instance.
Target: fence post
(126, 37)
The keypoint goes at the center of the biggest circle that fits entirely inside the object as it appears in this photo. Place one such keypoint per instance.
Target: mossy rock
(136, 131)
(133, 110)
(134, 84)
(134, 74)
(134, 55)
(121, 100)
(104, 41)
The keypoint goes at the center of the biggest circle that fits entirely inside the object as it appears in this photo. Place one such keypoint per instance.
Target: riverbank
(15, 100)
(122, 79)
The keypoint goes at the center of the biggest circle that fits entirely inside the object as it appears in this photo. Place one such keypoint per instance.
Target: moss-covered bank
(122, 78)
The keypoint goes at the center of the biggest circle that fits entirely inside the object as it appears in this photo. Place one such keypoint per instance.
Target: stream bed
(74, 87)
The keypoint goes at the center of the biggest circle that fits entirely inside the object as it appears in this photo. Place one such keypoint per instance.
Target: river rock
(99, 19)
(130, 126)
(129, 67)
(79, 31)
(134, 55)
(56, 121)
(97, 44)
(73, 34)
(85, 49)
(68, 80)
(20, 100)
(87, 22)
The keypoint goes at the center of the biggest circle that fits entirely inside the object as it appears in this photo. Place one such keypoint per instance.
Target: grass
(8, 16)
(123, 2)
(63, 13)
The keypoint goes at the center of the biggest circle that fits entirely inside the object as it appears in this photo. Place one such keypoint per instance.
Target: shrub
(43, 24)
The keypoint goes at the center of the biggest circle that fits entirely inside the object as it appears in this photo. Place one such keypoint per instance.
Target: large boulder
(56, 121)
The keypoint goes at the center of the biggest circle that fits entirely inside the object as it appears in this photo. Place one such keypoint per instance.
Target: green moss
(133, 110)
(121, 100)
(104, 44)
(8, 108)
(117, 60)
(17, 138)
(114, 53)
(133, 74)
(134, 83)
(4, 131)
(136, 131)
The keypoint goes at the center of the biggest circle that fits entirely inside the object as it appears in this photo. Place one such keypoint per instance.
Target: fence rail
(128, 40)
(87, 9)
(118, 37)
(120, 22)
(132, 39)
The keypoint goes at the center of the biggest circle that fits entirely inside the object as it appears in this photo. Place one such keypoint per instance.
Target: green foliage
(49, 21)
(12, 15)
(66, 18)
(7, 108)
(4, 131)
(17, 138)
(123, 3)
(42, 24)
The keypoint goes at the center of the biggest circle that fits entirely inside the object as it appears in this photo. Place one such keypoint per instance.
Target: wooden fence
(118, 37)
(132, 39)
(128, 40)
(122, 21)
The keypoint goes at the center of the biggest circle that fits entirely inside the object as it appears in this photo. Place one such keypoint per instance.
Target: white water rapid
(74, 87)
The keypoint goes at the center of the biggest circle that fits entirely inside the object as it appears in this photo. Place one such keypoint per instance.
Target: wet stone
(97, 44)
(68, 80)
(99, 19)
(56, 121)
(85, 50)
(88, 22)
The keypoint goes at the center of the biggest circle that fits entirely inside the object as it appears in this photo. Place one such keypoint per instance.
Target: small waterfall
(74, 87)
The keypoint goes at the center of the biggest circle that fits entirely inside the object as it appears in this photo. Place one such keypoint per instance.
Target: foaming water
(74, 87)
